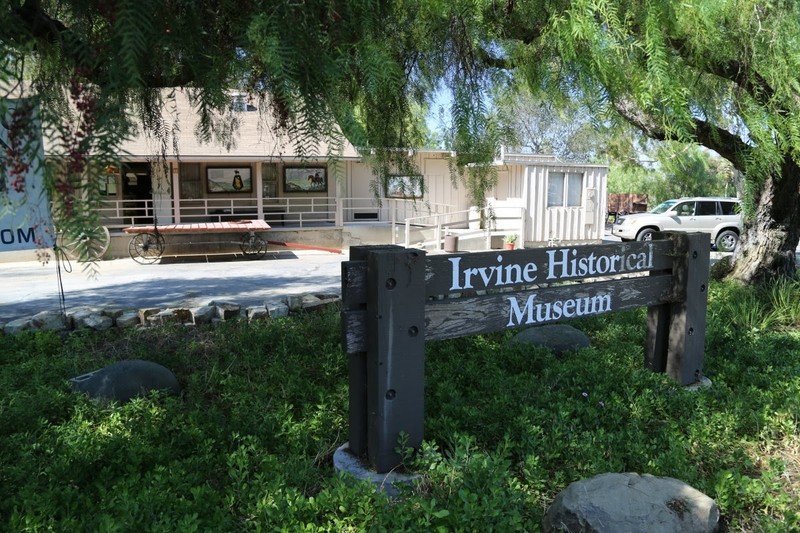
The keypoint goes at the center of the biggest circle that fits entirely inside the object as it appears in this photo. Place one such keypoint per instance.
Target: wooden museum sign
(394, 299)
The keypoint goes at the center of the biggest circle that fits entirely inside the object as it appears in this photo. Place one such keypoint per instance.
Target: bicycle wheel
(253, 246)
(89, 245)
(146, 248)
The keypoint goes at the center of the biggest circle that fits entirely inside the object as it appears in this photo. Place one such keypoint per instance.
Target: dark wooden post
(688, 317)
(676, 330)
(354, 299)
(395, 325)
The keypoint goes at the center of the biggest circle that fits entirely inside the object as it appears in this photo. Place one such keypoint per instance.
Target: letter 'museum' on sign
(395, 299)
(25, 221)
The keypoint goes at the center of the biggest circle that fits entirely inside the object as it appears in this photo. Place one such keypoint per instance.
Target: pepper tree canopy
(720, 73)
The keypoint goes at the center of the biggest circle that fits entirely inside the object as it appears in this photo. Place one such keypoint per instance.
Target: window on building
(269, 180)
(240, 103)
(190, 181)
(564, 189)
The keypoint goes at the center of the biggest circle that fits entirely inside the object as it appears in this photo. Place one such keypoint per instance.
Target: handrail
(302, 212)
(473, 219)
(287, 211)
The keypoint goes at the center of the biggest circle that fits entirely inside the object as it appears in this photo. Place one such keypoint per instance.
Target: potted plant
(509, 241)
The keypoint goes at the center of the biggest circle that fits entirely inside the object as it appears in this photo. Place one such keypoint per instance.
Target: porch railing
(481, 223)
(295, 212)
(117, 214)
(391, 210)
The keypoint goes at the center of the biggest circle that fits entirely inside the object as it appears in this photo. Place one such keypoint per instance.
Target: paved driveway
(27, 288)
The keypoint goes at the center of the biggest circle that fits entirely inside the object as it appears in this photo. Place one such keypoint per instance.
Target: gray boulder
(204, 315)
(276, 308)
(611, 503)
(16, 327)
(128, 319)
(126, 380)
(97, 322)
(171, 316)
(558, 338)
(51, 321)
(257, 313)
(226, 310)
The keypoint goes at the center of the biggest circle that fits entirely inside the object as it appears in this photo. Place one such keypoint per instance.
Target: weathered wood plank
(483, 314)
(458, 317)
(446, 274)
(354, 330)
(354, 283)
(212, 227)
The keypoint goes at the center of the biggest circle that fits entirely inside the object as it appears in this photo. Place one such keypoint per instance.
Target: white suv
(718, 217)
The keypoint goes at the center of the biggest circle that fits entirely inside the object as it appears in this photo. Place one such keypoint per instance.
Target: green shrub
(248, 443)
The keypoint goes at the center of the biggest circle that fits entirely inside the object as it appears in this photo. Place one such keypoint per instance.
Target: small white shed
(562, 201)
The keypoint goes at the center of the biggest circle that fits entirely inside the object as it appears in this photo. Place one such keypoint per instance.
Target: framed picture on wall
(228, 180)
(404, 187)
(305, 179)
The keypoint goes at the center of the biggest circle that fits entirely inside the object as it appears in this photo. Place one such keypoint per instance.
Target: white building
(332, 200)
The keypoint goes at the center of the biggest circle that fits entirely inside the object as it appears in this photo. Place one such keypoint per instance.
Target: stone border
(103, 318)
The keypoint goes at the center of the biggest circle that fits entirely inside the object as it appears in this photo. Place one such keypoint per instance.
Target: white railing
(125, 213)
(299, 212)
(296, 212)
(473, 222)
(392, 210)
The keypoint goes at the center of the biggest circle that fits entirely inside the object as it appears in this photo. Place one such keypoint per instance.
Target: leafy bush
(248, 444)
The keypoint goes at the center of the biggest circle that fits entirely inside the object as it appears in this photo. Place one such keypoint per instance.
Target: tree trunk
(769, 238)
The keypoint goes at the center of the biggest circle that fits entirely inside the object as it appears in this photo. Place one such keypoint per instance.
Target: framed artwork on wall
(228, 180)
(404, 187)
(305, 179)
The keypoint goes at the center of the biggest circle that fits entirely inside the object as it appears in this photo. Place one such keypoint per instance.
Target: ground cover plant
(248, 444)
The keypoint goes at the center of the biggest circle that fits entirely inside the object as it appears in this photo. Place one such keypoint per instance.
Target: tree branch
(725, 143)
(733, 70)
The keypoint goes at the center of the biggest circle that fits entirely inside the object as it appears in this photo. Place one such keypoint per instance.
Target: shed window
(564, 189)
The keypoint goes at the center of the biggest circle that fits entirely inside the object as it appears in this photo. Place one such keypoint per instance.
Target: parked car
(717, 216)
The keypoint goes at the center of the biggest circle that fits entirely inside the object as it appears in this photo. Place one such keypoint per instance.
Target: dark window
(706, 208)
(729, 208)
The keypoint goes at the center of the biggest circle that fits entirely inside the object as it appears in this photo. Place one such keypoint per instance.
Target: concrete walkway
(30, 287)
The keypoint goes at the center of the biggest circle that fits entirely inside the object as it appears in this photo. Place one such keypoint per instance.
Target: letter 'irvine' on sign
(562, 264)
(27, 222)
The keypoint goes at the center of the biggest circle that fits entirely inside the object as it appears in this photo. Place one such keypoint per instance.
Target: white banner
(25, 221)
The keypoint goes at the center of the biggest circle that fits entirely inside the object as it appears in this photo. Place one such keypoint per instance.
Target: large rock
(558, 338)
(226, 310)
(97, 322)
(276, 308)
(126, 380)
(16, 327)
(204, 315)
(257, 313)
(612, 503)
(79, 315)
(51, 321)
(172, 315)
(128, 319)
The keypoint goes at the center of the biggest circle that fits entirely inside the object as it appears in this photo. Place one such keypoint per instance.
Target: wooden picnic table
(148, 242)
